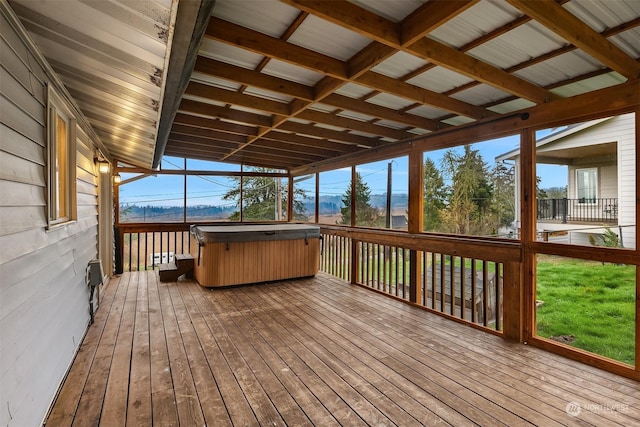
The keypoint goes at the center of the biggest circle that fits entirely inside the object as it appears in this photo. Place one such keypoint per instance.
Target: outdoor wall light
(103, 165)
(117, 178)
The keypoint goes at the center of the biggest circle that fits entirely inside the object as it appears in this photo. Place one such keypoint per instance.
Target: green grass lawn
(591, 301)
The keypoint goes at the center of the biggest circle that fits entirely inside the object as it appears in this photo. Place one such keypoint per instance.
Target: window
(587, 185)
(61, 165)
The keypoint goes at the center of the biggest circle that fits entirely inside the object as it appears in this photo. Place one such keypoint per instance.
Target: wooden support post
(637, 152)
(316, 218)
(416, 190)
(355, 255)
(290, 199)
(528, 230)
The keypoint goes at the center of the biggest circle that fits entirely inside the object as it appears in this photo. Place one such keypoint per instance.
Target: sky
(166, 190)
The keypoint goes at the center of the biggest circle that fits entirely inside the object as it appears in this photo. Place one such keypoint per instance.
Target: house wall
(616, 176)
(44, 307)
(607, 179)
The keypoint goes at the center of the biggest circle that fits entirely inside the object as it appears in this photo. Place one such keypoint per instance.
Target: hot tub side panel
(235, 263)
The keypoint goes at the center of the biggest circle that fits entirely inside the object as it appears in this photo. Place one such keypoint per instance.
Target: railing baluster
(497, 305)
(485, 288)
(463, 287)
(474, 304)
(452, 292)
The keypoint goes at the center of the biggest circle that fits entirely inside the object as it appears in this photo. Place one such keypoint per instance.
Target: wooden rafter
(569, 27)
(433, 51)
(319, 118)
(419, 24)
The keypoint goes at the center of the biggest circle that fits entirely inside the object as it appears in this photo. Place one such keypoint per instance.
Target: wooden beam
(205, 123)
(568, 26)
(448, 57)
(430, 16)
(423, 96)
(329, 84)
(428, 49)
(380, 112)
(236, 98)
(216, 111)
(281, 108)
(601, 103)
(233, 73)
(353, 17)
(245, 38)
(334, 135)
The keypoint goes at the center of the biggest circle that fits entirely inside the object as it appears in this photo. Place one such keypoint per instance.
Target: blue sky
(167, 190)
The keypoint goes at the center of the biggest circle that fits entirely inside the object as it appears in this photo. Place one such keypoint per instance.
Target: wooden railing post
(118, 249)
(355, 260)
(512, 301)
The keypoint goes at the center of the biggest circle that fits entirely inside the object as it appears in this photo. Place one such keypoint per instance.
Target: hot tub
(240, 254)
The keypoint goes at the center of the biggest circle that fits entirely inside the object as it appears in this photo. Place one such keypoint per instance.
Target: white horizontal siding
(43, 295)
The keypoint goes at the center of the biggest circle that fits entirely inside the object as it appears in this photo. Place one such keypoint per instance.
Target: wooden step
(181, 264)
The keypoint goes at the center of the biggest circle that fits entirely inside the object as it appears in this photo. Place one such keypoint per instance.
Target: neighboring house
(600, 160)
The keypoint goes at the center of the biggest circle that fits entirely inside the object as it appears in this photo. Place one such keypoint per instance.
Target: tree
(471, 192)
(366, 214)
(435, 196)
(264, 198)
(556, 192)
(503, 206)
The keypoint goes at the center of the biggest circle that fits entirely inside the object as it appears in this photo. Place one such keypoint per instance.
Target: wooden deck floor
(315, 352)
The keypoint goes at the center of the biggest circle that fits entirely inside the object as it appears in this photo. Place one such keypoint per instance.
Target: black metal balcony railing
(578, 210)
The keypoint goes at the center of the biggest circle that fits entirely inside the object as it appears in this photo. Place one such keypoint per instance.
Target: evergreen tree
(261, 196)
(504, 204)
(471, 193)
(366, 215)
(435, 196)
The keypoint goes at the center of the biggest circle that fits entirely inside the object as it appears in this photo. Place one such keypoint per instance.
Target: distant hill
(329, 205)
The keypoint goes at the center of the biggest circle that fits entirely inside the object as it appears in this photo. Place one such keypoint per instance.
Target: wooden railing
(467, 279)
(144, 246)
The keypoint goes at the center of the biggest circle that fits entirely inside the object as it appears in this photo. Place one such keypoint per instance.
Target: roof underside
(288, 83)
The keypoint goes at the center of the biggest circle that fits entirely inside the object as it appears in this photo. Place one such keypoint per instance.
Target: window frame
(58, 110)
(587, 201)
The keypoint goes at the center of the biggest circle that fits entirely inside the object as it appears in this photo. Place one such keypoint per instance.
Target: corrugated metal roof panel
(291, 72)
(480, 94)
(458, 120)
(428, 112)
(560, 68)
(267, 94)
(601, 15)
(588, 85)
(229, 54)
(391, 124)
(390, 101)
(515, 47)
(629, 41)
(266, 16)
(475, 22)
(393, 10)
(327, 38)
(440, 79)
(214, 81)
(513, 105)
(355, 115)
(353, 90)
(399, 65)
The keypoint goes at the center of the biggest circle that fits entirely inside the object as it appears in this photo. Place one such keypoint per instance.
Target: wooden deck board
(314, 352)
